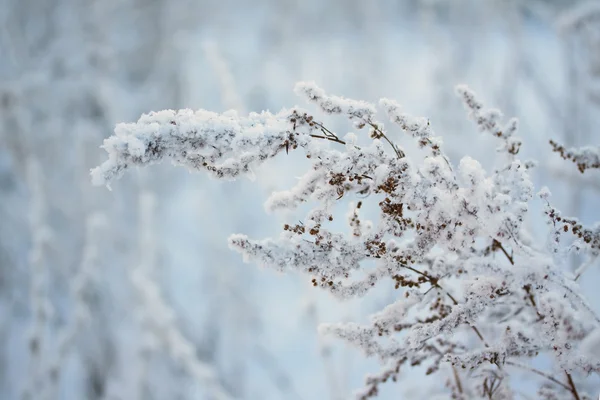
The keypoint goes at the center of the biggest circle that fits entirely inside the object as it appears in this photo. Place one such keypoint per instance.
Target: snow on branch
(225, 145)
(587, 157)
(451, 241)
(489, 120)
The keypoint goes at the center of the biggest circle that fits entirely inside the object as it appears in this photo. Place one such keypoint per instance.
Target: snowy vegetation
(135, 292)
(451, 240)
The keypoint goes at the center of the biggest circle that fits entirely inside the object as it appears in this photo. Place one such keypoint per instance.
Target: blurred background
(133, 293)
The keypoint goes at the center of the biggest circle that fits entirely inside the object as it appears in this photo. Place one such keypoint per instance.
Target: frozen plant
(477, 300)
(587, 157)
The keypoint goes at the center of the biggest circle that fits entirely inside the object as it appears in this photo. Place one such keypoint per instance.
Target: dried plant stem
(399, 153)
(572, 388)
(508, 256)
(333, 139)
(327, 134)
(457, 380)
(538, 372)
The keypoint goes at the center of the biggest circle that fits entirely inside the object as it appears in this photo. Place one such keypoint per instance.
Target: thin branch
(499, 245)
(323, 128)
(573, 389)
(527, 287)
(333, 139)
(538, 372)
(457, 379)
(399, 153)
(485, 344)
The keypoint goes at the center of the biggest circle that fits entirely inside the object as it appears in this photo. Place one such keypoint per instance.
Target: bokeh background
(133, 293)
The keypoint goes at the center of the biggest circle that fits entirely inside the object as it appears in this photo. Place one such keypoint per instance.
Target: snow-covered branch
(587, 157)
(474, 293)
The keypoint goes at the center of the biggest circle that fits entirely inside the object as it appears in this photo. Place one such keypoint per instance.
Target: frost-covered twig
(585, 157)
(489, 120)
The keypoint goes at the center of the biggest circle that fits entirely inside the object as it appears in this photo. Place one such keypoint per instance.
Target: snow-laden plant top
(477, 299)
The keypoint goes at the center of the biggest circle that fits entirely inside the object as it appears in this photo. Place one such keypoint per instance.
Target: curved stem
(399, 153)
(538, 372)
